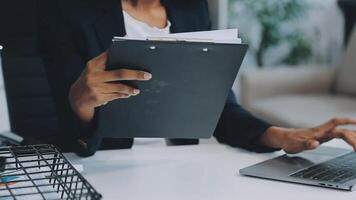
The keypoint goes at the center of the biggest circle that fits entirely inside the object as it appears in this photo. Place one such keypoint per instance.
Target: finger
(108, 88)
(111, 97)
(298, 145)
(333, 123)
(311, 144)
(99, 62)
(347, 135)
(125, 74)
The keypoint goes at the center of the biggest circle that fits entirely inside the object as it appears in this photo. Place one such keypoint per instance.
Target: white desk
(202, 172)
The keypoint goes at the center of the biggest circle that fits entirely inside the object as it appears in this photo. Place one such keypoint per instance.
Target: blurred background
(300, 69)
(286, 32)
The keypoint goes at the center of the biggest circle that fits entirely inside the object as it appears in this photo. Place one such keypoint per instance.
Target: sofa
(302, 96)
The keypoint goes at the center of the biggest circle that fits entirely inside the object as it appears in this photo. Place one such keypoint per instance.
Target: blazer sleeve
(239, 128)
(63, 64)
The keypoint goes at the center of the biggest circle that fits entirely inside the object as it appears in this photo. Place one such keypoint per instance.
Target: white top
(138, 29)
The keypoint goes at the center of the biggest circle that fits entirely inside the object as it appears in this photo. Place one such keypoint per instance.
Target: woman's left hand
(298, 140)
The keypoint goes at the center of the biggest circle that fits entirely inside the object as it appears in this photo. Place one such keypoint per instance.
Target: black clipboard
(186, 96)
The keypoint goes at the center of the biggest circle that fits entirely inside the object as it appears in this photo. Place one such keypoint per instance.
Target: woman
(74, 38)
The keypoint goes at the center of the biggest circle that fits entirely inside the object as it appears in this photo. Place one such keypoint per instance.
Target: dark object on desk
(349, 9)
(42, 172)
(325, 167)
(190, 85)
(2, 164)
(31, 107)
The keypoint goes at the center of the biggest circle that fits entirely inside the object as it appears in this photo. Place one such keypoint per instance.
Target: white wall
(323, 26)
(1, 74)
(4, 116)
(218, 13)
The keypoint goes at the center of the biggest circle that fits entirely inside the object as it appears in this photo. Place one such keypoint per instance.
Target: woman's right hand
(95, 87)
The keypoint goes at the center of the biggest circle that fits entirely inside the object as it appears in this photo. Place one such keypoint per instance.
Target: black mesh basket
(40, 172)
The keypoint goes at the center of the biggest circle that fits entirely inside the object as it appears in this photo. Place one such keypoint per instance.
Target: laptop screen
(4, 114)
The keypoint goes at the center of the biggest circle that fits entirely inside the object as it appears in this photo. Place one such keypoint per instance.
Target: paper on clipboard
(227, 36)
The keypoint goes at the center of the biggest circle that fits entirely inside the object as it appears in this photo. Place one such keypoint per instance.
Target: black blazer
(71, 32)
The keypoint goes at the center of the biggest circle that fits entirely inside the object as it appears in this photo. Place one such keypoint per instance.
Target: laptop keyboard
(338, 170)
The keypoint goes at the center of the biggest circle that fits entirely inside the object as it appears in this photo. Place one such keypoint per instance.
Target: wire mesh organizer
(41, 172)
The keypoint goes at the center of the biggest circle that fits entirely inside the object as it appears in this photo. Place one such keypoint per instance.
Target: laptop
(187, 94)
(6, 136)
(326, 167)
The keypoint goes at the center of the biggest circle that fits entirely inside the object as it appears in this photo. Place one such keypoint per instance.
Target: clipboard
(186, 96)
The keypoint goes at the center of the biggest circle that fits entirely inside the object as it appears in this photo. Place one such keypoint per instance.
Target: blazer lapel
(177, 17)
(110, 23)
(180, 17)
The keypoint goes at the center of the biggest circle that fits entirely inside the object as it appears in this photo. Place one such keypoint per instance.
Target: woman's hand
(298, 140)
(95, 87)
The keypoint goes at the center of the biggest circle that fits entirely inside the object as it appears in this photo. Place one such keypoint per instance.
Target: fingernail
(136, 91)
(147, 76)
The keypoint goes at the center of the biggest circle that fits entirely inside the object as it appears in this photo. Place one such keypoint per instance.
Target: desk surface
(208, 171)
